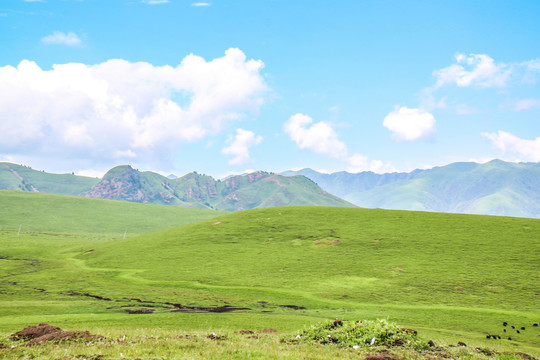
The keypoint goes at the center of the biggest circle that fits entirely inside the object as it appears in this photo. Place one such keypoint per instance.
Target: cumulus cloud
(474, 70)
(321, 138)
(523, 149)
(410, 124)
(123, 109)
(239, 147)
(58, 37)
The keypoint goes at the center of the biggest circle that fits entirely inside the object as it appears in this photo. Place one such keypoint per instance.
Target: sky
(231, 86)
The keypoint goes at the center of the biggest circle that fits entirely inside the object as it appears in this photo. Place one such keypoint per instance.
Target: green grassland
(451, 277)
(18, 177)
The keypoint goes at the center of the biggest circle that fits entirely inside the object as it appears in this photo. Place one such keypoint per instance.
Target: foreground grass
(174, 344)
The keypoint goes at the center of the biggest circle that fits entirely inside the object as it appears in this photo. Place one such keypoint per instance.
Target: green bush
(359, 333)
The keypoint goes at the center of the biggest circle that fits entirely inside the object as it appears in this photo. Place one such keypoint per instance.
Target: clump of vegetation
(360, 333)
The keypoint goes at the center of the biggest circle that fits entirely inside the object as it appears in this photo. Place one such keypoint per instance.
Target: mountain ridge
(493, 188)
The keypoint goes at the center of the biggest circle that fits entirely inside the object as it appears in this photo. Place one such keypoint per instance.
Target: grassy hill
(18, 177)
(256, 190)
(452, 277)
(494, 188)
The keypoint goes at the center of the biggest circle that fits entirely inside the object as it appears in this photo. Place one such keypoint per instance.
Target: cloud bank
(321, 138)
(123, 110)
(521, 149)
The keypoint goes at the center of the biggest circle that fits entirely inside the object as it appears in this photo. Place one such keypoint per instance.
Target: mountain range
(242, 192)
(493, 188)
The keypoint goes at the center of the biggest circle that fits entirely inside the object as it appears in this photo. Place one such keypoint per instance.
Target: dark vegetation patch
(194, 309)
(97, 297)
(139, 311)
(294, 307)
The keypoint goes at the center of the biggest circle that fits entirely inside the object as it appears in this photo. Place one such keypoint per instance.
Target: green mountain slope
(33, 211)
(235, 193)
(17, 177)
(494, 188)
(438, 270)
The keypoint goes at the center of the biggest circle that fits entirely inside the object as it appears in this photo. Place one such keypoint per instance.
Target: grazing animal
(535, 325)
(505, 323)
(504, 330)
(518, 331)
(513, 327)
(488, 336)
(509, 338)
(523, 328)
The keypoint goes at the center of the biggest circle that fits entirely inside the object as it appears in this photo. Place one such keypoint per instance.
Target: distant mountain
(494, 188)
(18, 177)
(256, 190)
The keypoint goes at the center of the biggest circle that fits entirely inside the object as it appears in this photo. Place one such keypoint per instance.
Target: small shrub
(359, 334)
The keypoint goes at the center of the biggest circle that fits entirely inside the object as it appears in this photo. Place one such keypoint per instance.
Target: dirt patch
(34, 331)
(525, 356)
(64, 336)
(244, 332)
(409, 331)
(267, 331)
(214, 336)
(44, 332)
(382, 356)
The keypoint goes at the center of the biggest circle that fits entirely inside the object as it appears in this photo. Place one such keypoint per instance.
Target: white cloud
(526, 104)
(525, 150)
(358, 163)
(155, 2)
(239, 147)
(474, 70)
(319, 137)
(58, 37)
(410, 124)
(322, 139)
(201, 4)
(123, 109)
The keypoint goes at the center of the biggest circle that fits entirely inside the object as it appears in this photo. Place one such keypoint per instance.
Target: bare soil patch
(381, 356)
(36, 334)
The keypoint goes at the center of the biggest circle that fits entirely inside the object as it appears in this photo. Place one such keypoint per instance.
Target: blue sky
(224, 87)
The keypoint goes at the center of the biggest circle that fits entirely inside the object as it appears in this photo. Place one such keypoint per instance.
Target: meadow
(141, 274)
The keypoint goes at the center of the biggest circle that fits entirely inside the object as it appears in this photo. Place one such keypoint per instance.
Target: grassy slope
(453, 277)
(16, 177)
